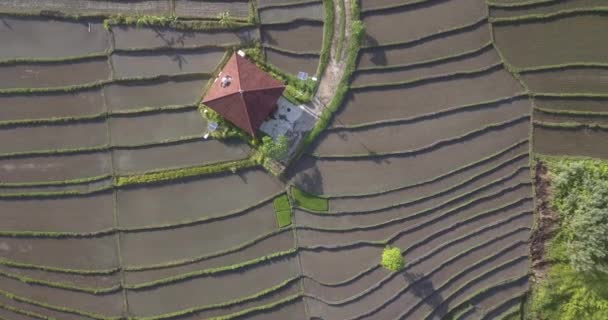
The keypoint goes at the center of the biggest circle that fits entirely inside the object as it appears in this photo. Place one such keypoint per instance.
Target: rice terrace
(303, 159)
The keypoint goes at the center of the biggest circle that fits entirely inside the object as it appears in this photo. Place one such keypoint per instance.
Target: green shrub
(392, 259)
(309, 201)
(275, 149)
(282, 209)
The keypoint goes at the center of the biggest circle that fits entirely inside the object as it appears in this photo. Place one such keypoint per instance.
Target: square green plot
(309, 201)
(282, 209)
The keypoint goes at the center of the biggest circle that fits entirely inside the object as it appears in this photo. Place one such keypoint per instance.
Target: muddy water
(91, 254)
(36, 38)
(462, 41)
(153, 247)
(211, 290)
(350, 176)
(178, 155)
(211, 9)
(418, 134)
(44, 106)
(166, 62)
(276, 243)
(264, 3)
(291, 13)
(76, 214)
(416, 100)
(293, 63)
(575, 80)
(150, 128)
(153, 94)
(422, 20)
(36, 138)
(194, 199)
(54, 168)
(548, 117)
(131, 37)
(296, 37)
(373, 4)
(542, 43)
(555, 6)
(479, 60)
(53, 75)
(572, 142)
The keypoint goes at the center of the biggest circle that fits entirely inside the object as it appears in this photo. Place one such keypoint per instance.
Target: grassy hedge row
(436, 178)
(257, 309)
(234, 23)
(441, 77)
(598, 114)
(342, 25)
(563, 66)
(81, 58)
(53, 194)
(328, 37)
(443, 59)
(569, 95)
(378, 10)
(58, 285)
(55, 183)
(250, 298)
(357, 36)
(283, 211)
(367, 125)
(431, 146)
(288, 3)
(174, 174)
(24, 313)
(308, 201)
(524, 3)
(101, 83)
(550, 16)
(213, 271)
(570, 125)
(290, 52)
(20, 265)
(440, 33)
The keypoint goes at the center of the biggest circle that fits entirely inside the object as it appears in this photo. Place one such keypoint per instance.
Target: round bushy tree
(392, 259)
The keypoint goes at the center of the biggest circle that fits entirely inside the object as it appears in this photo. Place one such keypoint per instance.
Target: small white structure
(241, 53)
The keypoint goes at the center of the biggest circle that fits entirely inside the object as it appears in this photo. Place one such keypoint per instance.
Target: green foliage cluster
(276, 149)
(282, 208)
(392, 259)
(309, 201)
(576, 285)
(225, 129)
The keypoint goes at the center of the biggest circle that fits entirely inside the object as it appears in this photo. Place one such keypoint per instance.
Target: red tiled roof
(249, 98)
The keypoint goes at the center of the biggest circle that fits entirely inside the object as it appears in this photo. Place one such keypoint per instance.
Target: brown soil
(44, 106)
(579, 80)
(296, 37)
(575, 142)
(546, 221)
(292, 63)
(53, 75)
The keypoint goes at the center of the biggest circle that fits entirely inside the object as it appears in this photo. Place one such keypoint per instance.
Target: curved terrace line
(518, 5)
(560, 67)
(602, 10)
(436, 194)
(569, 112)
(312, 54)
(55, 183)
(484, 160)
(289, 4)
(570, 125)
(433, 252)
(24, 313)
(59, 285)
(513, 298)
(416, 3)
(433, 146)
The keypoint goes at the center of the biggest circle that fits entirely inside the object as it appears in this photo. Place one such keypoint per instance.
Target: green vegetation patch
(576, 284)
(392, 259)
(309, 201)
(282, 209)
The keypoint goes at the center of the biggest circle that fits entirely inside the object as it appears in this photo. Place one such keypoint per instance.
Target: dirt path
(334, 71)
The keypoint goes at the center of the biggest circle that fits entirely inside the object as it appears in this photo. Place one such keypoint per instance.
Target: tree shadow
(6, 24)
(172, 39)
(307, 176)
(422, 287)
(179, 59)
(378, 55)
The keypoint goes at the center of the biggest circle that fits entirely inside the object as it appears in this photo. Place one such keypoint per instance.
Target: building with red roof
(244, 94)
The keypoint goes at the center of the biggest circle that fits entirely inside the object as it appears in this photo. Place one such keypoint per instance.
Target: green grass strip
(328, 37)
(342, 30)
(562, 66)
(174, 174)
(56, 234)
(25, 313)
(19, 265)
(282, 209)
(289, 52)
(439, 77)
(436, 144)
(257, 309)
(231, 303)
(213, 271)
(377, 10)
(434, 179)
(81, 58)
(570, 125)
(548, 16)
(569, 95)
(57, 285)
(53, 194)
(366, 125)
(308, 201)
(519, 4)
(56, 182)
(575, 113)
(56, 308)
